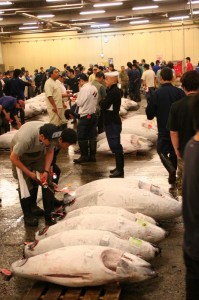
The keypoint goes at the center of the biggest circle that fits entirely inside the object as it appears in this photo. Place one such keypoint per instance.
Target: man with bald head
(112, 122)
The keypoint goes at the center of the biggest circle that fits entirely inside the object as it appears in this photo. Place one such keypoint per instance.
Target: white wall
(34, 51)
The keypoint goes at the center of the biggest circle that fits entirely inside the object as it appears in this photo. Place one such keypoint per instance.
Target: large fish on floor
(92, 237)
(134, 200)
(120, 226)
(111, 211)
(80, 266)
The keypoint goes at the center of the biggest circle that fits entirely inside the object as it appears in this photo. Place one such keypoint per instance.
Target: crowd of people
(95, 104)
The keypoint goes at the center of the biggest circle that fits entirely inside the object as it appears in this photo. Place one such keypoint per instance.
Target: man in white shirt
(86, 128)
(55, 106)
(149, 81)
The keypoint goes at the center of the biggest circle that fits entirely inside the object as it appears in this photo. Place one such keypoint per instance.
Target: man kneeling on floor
(32, 150)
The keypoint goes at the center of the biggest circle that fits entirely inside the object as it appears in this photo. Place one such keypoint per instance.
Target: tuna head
(134, 269)
(127, 267)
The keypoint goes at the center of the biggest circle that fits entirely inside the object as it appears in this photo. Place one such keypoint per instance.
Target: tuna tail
(6, 274)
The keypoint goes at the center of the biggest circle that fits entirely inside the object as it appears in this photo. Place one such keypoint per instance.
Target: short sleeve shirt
(52, 89)
(26, 140)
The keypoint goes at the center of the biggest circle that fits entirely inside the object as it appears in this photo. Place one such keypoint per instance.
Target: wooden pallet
(48, 291)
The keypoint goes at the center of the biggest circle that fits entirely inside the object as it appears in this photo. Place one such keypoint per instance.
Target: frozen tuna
(91, 237)
(110, 211)
(79, 266)
(120, 226)
(128, 197)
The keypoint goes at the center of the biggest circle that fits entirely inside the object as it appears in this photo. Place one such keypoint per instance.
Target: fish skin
(92, 265)
(129, 197)
(68, 238)
(109, 210)
(118, 225)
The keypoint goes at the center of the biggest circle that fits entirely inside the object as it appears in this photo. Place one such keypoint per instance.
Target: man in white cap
(112, 122)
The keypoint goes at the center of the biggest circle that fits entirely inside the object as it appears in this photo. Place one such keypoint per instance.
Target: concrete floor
(168, 285)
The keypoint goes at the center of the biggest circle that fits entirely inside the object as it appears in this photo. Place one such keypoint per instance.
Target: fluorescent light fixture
(6, 3)
(145, 7)
(193, 2)
(100, 25)
(82, 24)
(139, 22)
(55, 0)
(31, 23)
(107, 4)
(45, 16)
(28, 27)
(1, 19)
(178, 18)
(195, 12)
(92, 12)
(81, 20)
(2, 12)
(127, 19)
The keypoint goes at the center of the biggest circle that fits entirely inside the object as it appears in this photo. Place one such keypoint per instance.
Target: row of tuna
(103, 238)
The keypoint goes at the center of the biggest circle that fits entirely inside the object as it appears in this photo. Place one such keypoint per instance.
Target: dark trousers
(113, 137)
(149, 94)
(86, 128)
(192, 278)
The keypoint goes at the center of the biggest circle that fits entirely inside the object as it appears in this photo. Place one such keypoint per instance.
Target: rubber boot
(119, 172)
(93, 147)
(169, 167)
(113, 170)
(83, 145)
(48, 203)
(36, 210)
(29, 218)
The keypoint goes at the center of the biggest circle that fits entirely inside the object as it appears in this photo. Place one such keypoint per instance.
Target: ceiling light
(45, 16)
(145, 7)
(100, 25)
(118, 19)
(81, 20)
(83, 24)
(92, 12)
(108, 4)
(139, 22)
(6, 3)
(55, 0)
(1, 19)
(193, 2)
(31, 23)
(179, 18)
(28, 27)
(195, 12)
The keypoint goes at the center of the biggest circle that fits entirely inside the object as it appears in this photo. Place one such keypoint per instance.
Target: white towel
(22, 185)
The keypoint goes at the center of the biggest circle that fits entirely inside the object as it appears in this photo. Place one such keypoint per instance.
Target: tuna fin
(6, 274)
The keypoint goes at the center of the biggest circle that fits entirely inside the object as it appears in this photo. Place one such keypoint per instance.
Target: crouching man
(32, 150)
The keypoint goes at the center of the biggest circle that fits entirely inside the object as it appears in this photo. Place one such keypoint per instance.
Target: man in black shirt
(112, 122)
(180, 120)
(72, 82)
(191, 206)
(159, 107)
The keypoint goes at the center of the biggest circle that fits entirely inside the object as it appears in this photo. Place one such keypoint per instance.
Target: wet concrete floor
(168, 285)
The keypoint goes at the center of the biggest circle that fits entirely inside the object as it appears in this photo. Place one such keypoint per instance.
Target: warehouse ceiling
(20, 16)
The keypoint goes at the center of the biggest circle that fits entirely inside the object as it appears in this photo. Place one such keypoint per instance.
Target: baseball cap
(82, 76)
(50, 70)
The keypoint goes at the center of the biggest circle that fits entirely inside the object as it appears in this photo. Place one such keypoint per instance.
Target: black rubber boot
(93, 147)
(113, 170)
(83, 145)
(167, 163)
(48, 203)
(119, 172)
(29, 218)
(36, 210)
